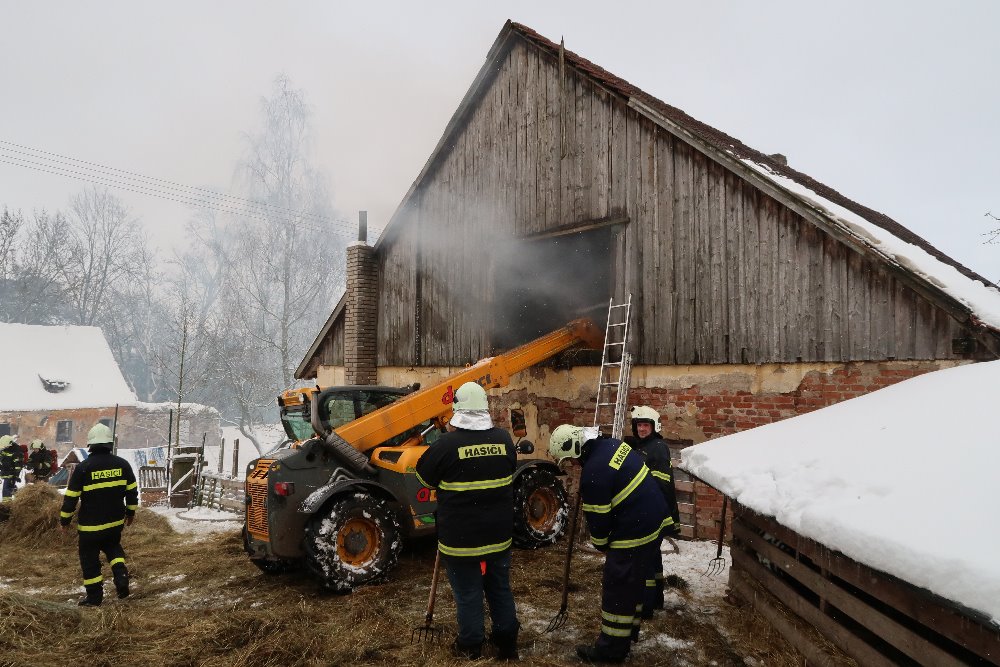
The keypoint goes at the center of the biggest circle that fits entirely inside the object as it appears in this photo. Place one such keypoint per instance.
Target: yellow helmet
(5, 440)
(36, 444)
(566, 441)
(645, 413)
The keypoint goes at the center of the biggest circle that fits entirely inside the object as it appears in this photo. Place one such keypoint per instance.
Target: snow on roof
(902, 480)
(981, 299)
(58, 368)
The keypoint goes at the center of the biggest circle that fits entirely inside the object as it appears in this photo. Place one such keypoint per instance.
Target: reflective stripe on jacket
(473, 472)
(106, 489)
(621, 499)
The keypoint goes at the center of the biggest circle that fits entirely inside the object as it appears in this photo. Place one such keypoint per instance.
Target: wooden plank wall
(220, 493)
(720, 272)
(873, 617)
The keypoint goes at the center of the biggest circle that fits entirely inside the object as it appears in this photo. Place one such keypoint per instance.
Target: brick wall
(43, 424)
(360, 315)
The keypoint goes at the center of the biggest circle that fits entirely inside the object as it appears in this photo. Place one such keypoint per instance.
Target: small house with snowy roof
(56, 382)
(872, 521)
(758, 292)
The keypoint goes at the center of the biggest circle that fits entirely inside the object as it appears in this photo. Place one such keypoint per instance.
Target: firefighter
(105, 487)
(472, 468)
(11, 463)
(39, 461)
(625, 513)
(646, 440)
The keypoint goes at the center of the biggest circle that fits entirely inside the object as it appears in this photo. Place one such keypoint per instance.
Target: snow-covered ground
(199, 521)
(902, 480)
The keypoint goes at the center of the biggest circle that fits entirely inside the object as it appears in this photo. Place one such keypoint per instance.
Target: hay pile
(198, 601)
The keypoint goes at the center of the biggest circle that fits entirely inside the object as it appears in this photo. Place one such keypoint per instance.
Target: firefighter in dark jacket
(39, 461)
(11, 463)
(626, 514)
(105, 487)
(646, 440)
(472, 468)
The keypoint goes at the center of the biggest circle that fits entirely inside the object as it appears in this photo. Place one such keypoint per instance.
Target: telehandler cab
(343, 497)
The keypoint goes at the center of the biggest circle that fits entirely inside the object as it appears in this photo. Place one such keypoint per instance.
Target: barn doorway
(540, 284)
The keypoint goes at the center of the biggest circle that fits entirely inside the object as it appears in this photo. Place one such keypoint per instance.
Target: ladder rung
(617, 325)
(621, 305)
(610, 344)
(612, 403)
(610, 384)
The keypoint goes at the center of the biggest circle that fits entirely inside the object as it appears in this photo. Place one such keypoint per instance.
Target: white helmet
(100, 435)
(36, 444)
(645, 413)
(566, 440)
(470, 396)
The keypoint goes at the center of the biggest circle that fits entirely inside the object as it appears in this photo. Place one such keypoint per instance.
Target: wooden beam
(899, 636)
(843, 638)
(963, 626)
(761, 601)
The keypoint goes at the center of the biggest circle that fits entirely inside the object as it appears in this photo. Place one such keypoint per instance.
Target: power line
(161, 189)
(59, 160)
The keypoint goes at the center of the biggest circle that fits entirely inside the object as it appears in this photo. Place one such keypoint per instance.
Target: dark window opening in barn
(107, 421)
(64, 430)
(4, 429)
(541, 284)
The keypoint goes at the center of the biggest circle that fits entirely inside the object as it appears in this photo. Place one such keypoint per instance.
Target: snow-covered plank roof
(58, 368)
(902, 480)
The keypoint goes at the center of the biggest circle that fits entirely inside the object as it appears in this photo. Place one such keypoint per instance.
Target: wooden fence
(875, 618)
(220, 493)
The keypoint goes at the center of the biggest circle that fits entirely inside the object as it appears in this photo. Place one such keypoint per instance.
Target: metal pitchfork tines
(559, 620)
(718, 564)
(427, 632)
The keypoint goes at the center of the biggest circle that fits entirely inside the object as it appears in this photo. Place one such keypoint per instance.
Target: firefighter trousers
(90, 547)
(622, 588)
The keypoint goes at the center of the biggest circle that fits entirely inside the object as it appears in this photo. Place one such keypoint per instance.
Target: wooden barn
(759, 293)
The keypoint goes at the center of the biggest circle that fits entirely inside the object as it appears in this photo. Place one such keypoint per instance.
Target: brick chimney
(360, 314)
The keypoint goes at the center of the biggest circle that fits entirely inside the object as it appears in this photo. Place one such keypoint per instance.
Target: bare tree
(106, 249)
(993, 236)
(31, 254)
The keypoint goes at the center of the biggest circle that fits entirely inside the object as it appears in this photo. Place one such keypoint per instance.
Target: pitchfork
(559, 619)
(427, 632)
(718, 564)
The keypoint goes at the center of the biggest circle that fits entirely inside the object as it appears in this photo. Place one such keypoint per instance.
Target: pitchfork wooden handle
(722, 527)
(569, 550)
(434, 584)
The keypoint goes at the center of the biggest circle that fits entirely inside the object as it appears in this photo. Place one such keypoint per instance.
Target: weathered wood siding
(331, 350)
(720, 272)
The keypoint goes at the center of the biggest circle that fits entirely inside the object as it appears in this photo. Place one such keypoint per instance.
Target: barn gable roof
(962, 292)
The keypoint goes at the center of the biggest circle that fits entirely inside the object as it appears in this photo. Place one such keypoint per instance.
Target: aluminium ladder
(616, 367)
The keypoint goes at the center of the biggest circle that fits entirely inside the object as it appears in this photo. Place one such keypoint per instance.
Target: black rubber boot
(469, 651)
(94, 597)
(593, 655)
(121, 581)
(506, 646)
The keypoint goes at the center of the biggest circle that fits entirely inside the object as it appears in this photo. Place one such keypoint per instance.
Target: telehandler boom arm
(434, 402)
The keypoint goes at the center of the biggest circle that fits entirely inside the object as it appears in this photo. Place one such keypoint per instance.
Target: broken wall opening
(543, 283)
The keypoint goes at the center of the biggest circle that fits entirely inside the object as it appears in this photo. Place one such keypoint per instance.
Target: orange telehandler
(344, 495)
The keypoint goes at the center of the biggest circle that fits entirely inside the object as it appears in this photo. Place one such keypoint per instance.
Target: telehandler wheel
(540, 509)
(356, 542)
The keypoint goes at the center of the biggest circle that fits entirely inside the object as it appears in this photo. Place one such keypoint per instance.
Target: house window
(4, 429)
(107, 421)
(64, 431)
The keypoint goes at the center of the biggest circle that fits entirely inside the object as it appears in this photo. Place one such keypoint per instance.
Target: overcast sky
(895, 104)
